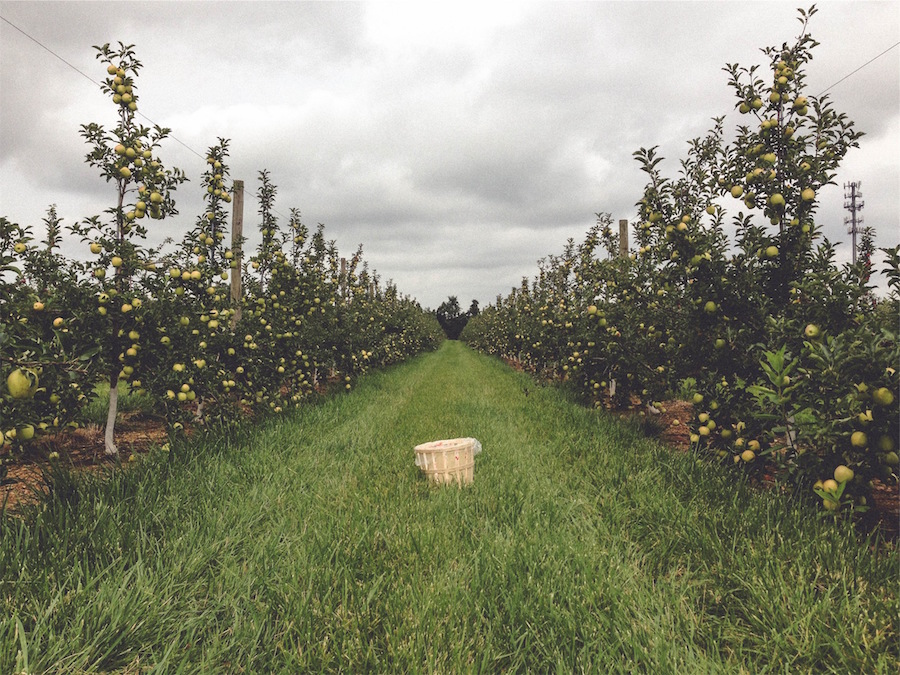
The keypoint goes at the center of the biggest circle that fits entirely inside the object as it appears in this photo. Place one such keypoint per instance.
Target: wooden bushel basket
(448, 461)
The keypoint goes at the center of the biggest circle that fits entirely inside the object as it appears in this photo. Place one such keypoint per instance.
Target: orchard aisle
(316, 546)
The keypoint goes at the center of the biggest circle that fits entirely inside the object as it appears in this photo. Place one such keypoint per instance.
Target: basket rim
(445, 445)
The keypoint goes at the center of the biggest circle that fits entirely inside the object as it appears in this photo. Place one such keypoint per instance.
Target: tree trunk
(109, 444)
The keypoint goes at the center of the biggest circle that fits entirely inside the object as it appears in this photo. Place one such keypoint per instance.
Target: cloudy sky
(458, 142)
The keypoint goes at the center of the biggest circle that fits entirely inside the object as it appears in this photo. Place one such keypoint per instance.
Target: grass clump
(95, 412)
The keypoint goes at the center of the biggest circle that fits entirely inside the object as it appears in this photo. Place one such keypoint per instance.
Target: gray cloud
(457, 149)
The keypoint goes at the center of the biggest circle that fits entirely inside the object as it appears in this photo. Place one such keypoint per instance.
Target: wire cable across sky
(89, 78)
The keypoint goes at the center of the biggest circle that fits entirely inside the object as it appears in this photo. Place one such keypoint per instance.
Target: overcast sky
(458, 142)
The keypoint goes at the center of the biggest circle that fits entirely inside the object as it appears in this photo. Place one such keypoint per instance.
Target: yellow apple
(20, 385)
(843, 474)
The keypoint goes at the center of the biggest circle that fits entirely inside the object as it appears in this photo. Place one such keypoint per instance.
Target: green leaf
(90, 353)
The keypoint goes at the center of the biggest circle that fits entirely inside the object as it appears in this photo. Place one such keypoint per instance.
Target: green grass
(96, 410)
(312, 544)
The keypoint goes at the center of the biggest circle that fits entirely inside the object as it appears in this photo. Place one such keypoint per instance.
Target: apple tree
(126, 156)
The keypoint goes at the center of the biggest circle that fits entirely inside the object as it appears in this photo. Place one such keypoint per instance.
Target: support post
(623, 238)
(237, 234)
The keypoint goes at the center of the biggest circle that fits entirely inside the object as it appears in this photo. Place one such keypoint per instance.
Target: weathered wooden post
(237, 234)
(345, 286)
(623, 253)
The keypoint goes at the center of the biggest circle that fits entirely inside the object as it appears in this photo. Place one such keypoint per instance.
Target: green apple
(20, 385)
(843, 474)
(883, 396)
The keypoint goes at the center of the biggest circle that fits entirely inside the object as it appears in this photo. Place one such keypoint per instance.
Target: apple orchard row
(732, 298)
(164, 322)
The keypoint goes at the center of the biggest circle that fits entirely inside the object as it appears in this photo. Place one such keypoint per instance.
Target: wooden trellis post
(623, 238)
(237, 234)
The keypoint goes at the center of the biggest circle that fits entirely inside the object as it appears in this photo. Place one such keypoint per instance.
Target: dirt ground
(136, 434)
(83, 448)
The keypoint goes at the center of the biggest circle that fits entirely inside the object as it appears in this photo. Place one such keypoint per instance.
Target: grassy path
(315, 546)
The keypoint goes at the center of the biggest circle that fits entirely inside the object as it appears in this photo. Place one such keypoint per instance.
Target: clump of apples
(832, 489)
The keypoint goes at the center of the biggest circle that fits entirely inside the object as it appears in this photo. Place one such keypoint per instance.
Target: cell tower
(853, 203)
